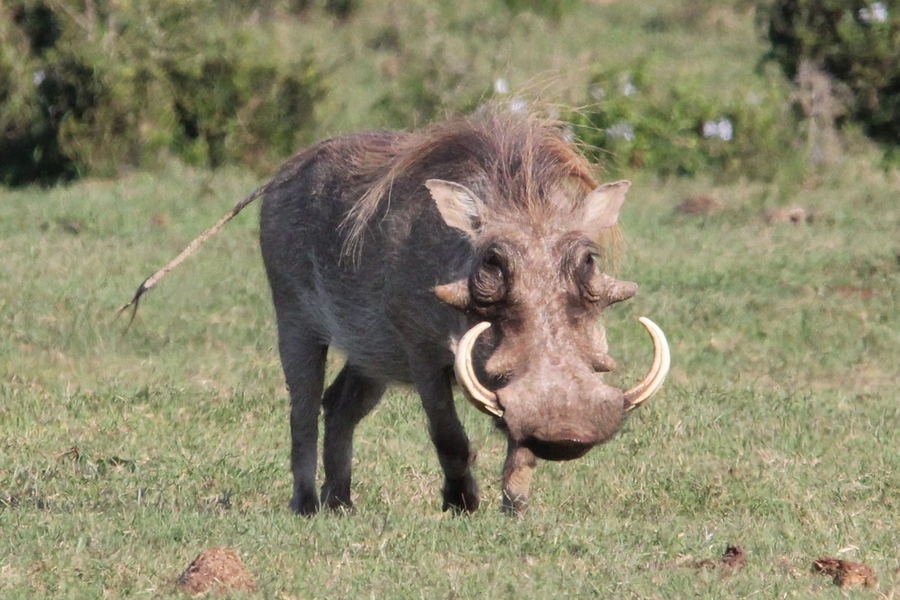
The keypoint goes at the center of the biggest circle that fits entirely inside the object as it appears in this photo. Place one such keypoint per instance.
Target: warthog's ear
(458, 205)
(455, 293)
(601, 206)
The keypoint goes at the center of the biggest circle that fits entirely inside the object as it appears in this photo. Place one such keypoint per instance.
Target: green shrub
(855, 42)
(432, 84)
(681, 131)
(93, 87)
(342, 9)
(433, 66)
(552, 9)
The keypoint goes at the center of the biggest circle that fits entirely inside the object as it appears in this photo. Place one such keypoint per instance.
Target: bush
(552, 9)
(433, 83)
(855, 42)
(90, 87)
(433, 66)
(681, 131)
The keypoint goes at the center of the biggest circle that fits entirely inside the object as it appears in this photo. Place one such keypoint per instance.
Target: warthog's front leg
(350, 398)
(460, 490)
(517, 472)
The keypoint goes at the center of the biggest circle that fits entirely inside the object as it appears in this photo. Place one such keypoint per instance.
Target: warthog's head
(534, 292)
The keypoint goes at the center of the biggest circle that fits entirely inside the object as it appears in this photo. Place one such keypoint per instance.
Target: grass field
(124, 453)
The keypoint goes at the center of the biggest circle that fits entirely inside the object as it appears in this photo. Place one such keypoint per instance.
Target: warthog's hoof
(513, 506)
(305, 504)
(461, 495)
(336, 503)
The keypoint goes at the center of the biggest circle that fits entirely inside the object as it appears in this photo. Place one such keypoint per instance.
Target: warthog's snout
(567, 419)
(562, 449)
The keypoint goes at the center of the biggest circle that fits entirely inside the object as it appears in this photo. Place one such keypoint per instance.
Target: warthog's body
(390, 246)
(403, 250)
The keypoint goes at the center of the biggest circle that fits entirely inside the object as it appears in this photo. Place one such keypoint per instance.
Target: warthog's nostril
(564, 449)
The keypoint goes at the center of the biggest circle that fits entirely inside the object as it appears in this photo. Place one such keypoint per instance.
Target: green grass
(124, 453)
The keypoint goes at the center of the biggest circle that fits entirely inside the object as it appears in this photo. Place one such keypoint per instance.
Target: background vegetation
(774, 268)
(94, 86)
(856, 43)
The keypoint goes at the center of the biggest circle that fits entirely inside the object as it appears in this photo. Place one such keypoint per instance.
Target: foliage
(128, 83)
(432, 84)
(856, 42)
(679, 130)
(342, 9)
(553, 9)
(429, 58)
(94, 86)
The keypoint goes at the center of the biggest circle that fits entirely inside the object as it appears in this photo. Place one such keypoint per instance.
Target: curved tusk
(484, 399)
(640, 393)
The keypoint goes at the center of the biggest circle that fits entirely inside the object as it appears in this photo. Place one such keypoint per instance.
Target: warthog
(473, 247)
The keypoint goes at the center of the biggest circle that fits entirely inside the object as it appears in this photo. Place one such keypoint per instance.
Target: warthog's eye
(591, 284)
(492, 261)
(488, 283)
(588, 277)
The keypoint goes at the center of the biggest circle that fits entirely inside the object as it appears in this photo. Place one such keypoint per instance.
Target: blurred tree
(91, 86)
(857, 43)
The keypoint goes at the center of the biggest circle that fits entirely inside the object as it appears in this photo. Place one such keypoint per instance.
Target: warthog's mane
(517, 162)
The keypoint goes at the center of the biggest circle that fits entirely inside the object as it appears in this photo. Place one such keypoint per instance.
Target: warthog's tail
(154, 279)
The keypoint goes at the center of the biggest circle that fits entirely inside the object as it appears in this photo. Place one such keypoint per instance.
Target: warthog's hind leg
(303, 361)
(305, 380)
(350, 398)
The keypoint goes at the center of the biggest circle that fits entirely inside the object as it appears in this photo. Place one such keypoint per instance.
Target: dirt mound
(793, 215)
(218, 569)
(846, 574)
(698, 205)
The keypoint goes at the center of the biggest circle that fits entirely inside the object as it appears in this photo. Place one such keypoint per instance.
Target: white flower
(596, 91)
(722, 129)
(39, 76)
(726, 130)
(501, 86)
(878, 13)
(622, 129)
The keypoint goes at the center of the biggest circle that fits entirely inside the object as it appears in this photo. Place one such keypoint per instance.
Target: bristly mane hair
(516, 161)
